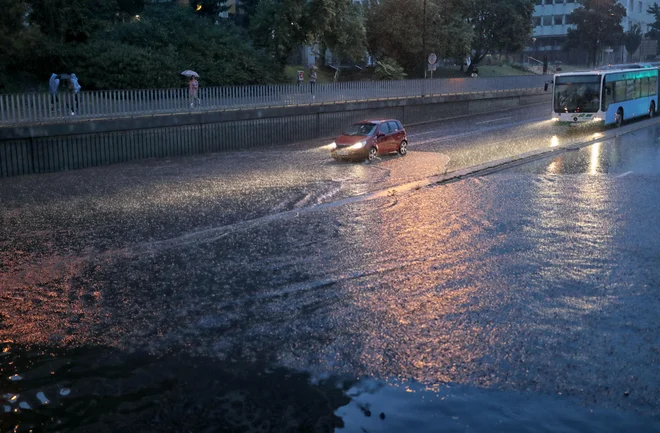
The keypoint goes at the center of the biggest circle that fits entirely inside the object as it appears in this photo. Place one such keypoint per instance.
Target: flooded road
(216, 293)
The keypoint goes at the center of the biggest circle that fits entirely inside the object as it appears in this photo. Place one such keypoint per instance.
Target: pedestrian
(193, 87)
(312, 81)
(74, 87)
(53, 85)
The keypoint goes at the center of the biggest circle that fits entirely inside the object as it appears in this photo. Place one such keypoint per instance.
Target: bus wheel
(618, 119)
(652, 110)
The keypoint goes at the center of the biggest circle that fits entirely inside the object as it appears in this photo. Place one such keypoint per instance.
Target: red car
(370, 138)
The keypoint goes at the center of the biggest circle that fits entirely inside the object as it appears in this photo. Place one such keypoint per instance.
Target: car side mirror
(380, 134)
(545, 88)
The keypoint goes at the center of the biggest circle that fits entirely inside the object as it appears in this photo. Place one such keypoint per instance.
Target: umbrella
(189, 73)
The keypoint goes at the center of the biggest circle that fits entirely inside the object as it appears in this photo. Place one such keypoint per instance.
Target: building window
(539, 2)
(537, 21)
(569, 19)
(547, 20)
(559, 20)
(630, 5)
(558, 2)
(639, 7)
(570, 1)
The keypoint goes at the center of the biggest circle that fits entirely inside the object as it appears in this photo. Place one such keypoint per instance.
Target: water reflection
(594, 163)
(103, 390)
(111, 391)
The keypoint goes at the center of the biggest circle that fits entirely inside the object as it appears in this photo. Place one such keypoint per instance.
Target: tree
(71, 20)
(454, 29)
(388, 69)
(598, 24)
(209, 8)
(345, 34)
(248, 9)
(400, 30)
(654, 32)
(12, 33)
(632, 39)
(131, 7)
(278, 26)
(499, 26)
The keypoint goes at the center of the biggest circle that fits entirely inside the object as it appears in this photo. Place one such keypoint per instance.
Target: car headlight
(359, 145)
(555, 119)
(333, 145)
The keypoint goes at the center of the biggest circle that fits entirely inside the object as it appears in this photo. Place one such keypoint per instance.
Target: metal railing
(30, 108)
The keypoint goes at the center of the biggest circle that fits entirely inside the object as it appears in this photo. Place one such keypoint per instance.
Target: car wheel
(373, 153)
(618, 118)
(652, 110)
(403, 148)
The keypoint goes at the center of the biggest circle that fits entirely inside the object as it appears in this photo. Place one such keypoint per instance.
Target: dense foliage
(137, 44)
(108, 46)
(598, 24)
(632, 39)
(408, 30)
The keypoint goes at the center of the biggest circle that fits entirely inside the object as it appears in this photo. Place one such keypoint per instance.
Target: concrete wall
(56, 147)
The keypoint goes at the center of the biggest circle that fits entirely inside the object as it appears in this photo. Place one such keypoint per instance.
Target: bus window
(630, 90)
(608, 95)
(653, 86)
(577, 94)
(645, 87)
(619, 91)
(637, 93)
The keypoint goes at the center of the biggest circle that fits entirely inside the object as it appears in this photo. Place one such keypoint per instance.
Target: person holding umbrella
(193, 86)
(74, 87)
(53, 85)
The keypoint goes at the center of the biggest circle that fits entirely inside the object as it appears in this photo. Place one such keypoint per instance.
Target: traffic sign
(301, 75)
(433, 59)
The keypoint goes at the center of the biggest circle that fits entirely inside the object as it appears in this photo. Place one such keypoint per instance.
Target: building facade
(552, 20)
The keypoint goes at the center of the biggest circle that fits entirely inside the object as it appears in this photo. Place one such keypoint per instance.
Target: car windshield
(361, 129)
(577, 94)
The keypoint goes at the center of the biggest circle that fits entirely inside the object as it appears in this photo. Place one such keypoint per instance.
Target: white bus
(605, 96)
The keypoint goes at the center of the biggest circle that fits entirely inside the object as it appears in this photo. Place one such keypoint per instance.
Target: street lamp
(424, 38)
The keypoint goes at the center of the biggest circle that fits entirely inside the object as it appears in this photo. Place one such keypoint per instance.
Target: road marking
(625, 174)
(494, 120)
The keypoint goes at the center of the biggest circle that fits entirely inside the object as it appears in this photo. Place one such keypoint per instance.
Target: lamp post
(424, 38)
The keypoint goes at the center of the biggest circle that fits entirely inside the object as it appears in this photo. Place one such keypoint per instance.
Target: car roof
(376, 121)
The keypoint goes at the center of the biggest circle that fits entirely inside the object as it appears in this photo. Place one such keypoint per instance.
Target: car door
(384, 137)
(396, 134)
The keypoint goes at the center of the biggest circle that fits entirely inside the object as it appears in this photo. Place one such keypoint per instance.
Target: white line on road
(625, 174)
(494, 120)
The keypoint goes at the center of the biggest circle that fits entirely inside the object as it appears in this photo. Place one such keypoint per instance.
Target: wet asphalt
(278, 290)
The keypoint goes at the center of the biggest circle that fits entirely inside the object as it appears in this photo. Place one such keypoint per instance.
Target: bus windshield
(577, 94)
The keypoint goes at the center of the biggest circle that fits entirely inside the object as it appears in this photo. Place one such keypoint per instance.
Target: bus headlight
(596, 119)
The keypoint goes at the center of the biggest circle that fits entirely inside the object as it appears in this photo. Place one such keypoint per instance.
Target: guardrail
(30, 108)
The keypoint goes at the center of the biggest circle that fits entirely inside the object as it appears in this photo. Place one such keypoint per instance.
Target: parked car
(370, 138)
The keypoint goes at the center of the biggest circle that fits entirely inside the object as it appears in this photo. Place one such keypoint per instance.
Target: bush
(151, 52)
(388, 69)
(146, 53)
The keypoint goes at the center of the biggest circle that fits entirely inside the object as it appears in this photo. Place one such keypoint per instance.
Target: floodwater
(148, 298)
